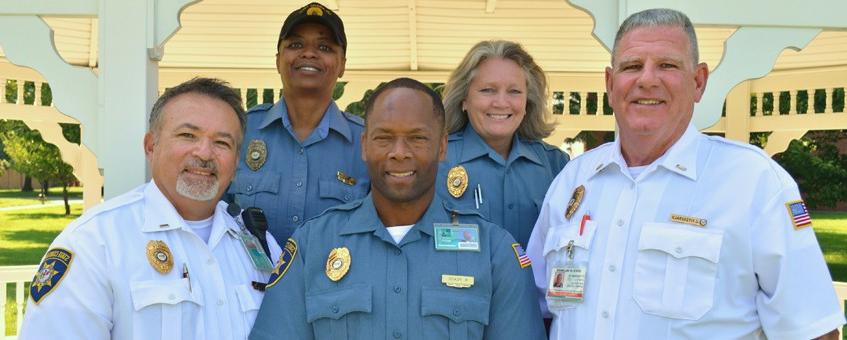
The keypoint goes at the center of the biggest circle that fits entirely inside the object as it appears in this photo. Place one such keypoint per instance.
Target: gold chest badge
(457, 181)
(338, 263)
(257, 154)
(159, 256)
(576, 200)
(344, 178)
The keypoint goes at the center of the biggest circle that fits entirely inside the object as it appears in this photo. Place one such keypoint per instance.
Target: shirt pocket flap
(151, 292)
(332, 188)
(336, 303)
(248, 183)
(248, 298)
(454, 305)
(560, 236)
(682, 241)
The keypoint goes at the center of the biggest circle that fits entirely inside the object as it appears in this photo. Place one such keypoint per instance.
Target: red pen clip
(585, 218)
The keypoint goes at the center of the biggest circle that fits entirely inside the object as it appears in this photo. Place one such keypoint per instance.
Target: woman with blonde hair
(497, 163)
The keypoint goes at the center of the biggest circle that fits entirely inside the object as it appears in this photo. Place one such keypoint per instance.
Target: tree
(820, 171)
(31, 155)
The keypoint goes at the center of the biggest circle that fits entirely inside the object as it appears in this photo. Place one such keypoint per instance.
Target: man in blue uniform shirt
(301, 155)
(400, 263)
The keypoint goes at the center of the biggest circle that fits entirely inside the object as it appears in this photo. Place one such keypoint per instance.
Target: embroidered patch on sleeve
(520, 255)
(284, 262)
(51, 272)
(799, 214)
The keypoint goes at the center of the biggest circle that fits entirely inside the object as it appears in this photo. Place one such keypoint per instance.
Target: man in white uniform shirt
(165, 260)
(667, 233)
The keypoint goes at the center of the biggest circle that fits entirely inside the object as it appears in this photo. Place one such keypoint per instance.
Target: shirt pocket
(675, 270)
(250, 188)
(335, 190)
(558, 238)
(335, 313)
(451, 314)
(169, 303)
(249, 300)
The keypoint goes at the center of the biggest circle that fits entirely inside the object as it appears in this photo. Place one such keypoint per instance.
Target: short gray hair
(534, 125)
(210, 87)
(659, 17)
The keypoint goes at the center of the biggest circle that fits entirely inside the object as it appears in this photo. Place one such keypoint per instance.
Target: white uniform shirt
(746, 274)
(110, 289)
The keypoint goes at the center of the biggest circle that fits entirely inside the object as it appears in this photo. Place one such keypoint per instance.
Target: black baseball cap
(314, 12)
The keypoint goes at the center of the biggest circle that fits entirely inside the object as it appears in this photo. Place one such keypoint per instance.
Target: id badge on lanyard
(566, 288)
(254, 250)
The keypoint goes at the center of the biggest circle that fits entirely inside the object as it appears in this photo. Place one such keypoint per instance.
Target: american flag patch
(799, 214)
(523, 260)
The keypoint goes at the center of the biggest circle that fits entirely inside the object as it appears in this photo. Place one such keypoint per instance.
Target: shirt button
(397, 252)
(397, 334)
(347, 197)
(220, 302)
(171, 297)
(612, 268)
(678, 250)
(295, 218)
(605, 314)
(211, 261)
(457, 312)
(334, 309)
(300, 151)
(397, 289)
(620, 223)
(511, 205)
(249, 188)
(299, 184)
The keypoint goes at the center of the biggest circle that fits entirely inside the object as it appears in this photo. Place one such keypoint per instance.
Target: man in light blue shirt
(302, 154)
(401, 263)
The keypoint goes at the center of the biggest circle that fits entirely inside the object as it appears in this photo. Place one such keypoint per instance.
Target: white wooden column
(37, 100)
(127, 89)
(583, 103)
(792, 101)
(828, 107)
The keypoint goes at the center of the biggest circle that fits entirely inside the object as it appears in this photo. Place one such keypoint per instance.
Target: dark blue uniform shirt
(300, 180)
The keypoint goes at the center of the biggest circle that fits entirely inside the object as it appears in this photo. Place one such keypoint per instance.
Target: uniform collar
(333, 119)
(365, 219)
(161, 215)
(681, 158)
(474, 146)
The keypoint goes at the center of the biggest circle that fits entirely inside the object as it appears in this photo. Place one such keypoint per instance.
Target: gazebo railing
(20, 275)
(17, 276)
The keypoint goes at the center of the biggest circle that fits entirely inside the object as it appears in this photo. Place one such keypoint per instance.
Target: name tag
(456, 237)
(457, 281)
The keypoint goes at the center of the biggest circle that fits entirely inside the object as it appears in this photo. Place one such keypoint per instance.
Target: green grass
(24, 237)
(14, 197)
(831, 230)
(26, 233)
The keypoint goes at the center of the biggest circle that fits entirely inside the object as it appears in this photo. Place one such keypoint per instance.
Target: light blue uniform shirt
(512, 189)
(395, 291)
(299, 180)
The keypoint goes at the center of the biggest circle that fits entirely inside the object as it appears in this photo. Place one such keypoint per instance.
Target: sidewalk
(50, 203)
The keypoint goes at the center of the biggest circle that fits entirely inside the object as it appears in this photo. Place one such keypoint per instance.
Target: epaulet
(744, 146)
(109, 205)
(341, 207)
(547, 146)
(260, 108)
(354, 118)
(775, 168)
(455, 136)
